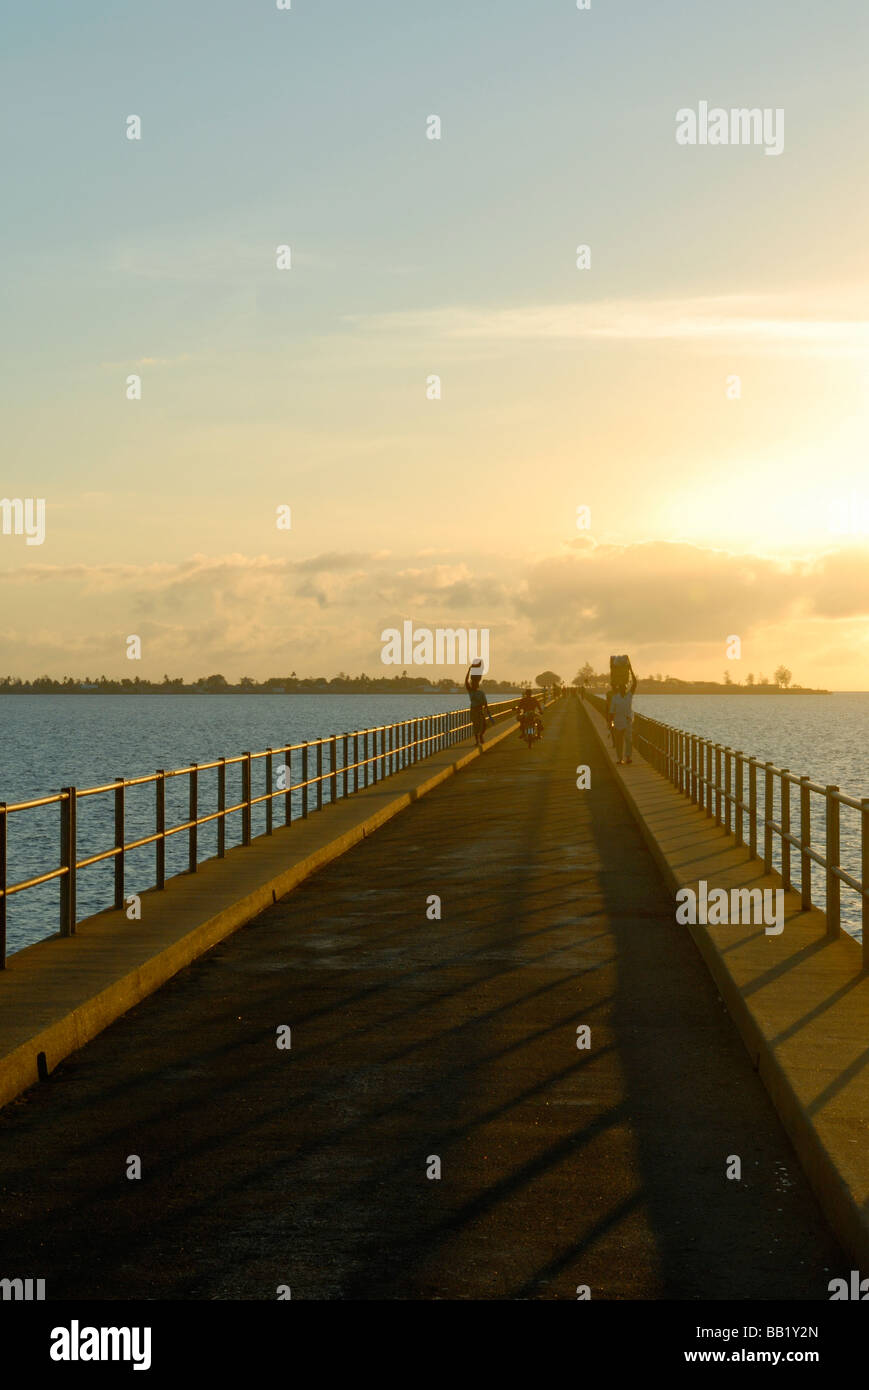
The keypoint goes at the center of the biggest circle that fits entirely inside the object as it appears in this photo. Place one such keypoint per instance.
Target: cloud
(828, 320)
(665, 591)
(670, 603)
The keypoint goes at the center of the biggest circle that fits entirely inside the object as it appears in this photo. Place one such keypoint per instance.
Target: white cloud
(821, 321)
(671, 603)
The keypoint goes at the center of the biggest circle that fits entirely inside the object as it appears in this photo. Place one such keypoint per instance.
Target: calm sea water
(53, 741)
(823, 736)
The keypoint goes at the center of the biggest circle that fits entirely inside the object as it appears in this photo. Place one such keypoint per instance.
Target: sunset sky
(561, 387)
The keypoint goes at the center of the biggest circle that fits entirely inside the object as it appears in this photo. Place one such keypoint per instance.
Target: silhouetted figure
(528, 712)
(479, 707)
(620, 714)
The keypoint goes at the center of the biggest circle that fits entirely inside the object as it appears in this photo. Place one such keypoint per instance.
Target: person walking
(620, 715)
(479, 707)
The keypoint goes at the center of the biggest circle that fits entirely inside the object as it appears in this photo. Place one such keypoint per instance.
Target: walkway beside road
(415, 1037)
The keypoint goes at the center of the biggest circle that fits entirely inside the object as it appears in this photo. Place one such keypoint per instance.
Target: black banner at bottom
(161, 1339)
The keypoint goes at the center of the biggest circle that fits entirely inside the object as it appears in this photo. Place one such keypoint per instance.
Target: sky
(700, 386)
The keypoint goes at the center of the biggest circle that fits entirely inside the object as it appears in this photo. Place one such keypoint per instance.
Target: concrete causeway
(417, 1037)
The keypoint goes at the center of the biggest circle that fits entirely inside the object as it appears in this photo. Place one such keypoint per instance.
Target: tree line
(782, 680)
(274, 685)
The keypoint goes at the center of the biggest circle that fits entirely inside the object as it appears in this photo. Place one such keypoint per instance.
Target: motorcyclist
(528, 712)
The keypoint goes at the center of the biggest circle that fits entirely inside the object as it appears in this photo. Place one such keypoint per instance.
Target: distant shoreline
(699, 688)
(505, 689)
(493, 688)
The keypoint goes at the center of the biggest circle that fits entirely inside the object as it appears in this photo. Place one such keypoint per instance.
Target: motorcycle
(529, 731)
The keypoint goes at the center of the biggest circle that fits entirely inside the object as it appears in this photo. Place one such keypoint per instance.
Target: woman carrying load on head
(619, 708)
(479, 706)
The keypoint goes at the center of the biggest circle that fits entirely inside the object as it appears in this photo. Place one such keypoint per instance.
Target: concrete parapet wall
(799, 999)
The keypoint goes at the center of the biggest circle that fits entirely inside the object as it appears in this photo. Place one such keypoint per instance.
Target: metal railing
(718, 779)
(328, 770)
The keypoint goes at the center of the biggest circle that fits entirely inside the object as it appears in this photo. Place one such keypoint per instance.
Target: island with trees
(342, 684)
(781, 684)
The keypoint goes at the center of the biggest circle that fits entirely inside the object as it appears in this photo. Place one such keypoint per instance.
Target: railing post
(68, 856)
(160, 827)
(768, 810)
(221, 806)
(270, 777)
(120, 834)
(288, 796)
(728, 787)
(738, 824)
(832, 856)
(805, 843)
(374, 768)
(193, 814)
(864, 875)
(333, 764)
(707, 746)
(319, 774)
(718, 784)
(785, 802)
(245, 799)
(346, 756)
(752, 809)
(305, 781)
(356, 760)
(4, 883)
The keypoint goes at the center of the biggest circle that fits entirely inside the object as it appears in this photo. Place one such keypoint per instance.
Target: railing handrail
(401, 743)
(686, 759)
(82, 792)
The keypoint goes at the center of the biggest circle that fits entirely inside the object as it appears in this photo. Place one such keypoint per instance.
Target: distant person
(479, 707)
(528, 711)
(620, 715)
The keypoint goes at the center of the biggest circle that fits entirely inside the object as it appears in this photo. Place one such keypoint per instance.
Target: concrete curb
(59, 993)
(778, 1006)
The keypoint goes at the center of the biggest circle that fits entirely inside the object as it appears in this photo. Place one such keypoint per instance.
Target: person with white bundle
(479, 703)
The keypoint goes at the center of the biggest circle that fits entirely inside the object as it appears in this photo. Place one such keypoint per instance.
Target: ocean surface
(825, 737)
(51, 741)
